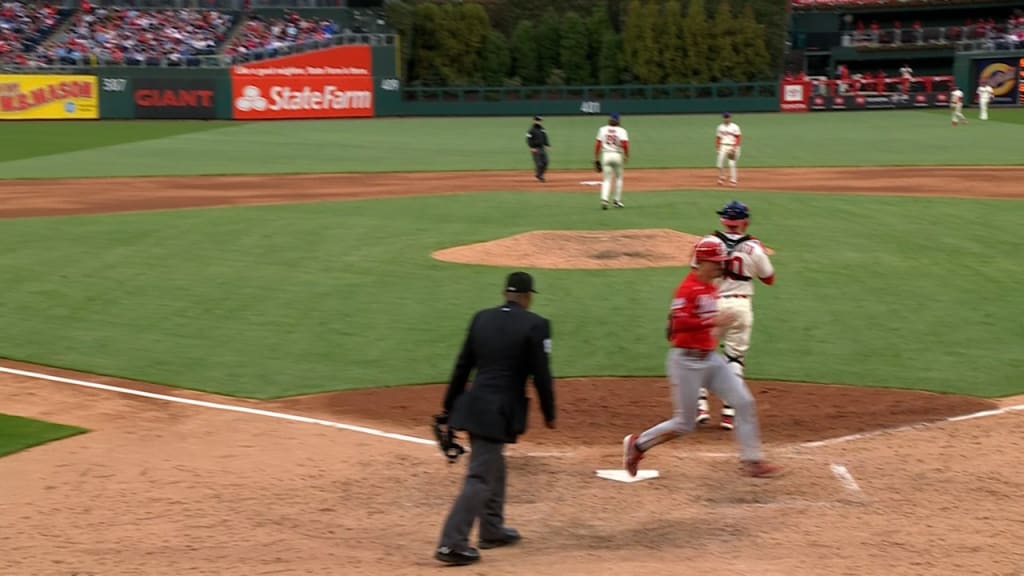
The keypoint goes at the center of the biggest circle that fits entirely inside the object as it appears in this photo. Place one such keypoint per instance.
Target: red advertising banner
(332, 83)
(794, 95)
(279, 97)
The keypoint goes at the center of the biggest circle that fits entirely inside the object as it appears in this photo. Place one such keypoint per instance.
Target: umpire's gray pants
(483, 496)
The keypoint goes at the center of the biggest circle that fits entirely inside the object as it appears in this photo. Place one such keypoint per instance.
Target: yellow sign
(998, 75)
(28, 96)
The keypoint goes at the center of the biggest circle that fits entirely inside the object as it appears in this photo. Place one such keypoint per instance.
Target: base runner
(693, 363)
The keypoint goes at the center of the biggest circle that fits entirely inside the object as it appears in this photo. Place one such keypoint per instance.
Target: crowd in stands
(265, 38)
(23, 26)
(98, 35)
(993, 35)
(121, 35)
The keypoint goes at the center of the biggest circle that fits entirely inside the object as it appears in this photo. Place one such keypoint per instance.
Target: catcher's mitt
(446, 439)
(597, 165)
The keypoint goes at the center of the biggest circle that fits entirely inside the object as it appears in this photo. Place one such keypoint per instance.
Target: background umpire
(537, 140)
(506, 344)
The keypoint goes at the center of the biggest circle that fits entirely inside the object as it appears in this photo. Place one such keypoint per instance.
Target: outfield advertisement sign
(332, 83)
(820, 103)
(793, 95)
(999, 73)
(174, 98)
(37, 97)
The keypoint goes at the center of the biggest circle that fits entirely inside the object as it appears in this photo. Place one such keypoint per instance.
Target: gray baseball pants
(688, 373)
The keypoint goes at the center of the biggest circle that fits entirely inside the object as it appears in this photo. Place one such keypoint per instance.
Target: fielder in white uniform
(611, 152)
(985, 95)
(727, 144)
(747, 260)
(956, 102)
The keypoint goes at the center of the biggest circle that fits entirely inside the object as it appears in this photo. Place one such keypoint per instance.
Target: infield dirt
(160, 488)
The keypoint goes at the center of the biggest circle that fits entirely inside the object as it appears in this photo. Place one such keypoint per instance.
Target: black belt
(737, 296)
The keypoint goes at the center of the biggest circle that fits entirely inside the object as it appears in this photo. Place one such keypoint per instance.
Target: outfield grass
(280, 300)
(915, 137)
(17, 433)
(31, 139)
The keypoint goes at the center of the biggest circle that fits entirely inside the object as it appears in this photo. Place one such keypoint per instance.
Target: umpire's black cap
(520, 283)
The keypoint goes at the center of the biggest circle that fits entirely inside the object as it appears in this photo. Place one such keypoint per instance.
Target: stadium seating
(135, 37)
(24, 26)
(262, 38)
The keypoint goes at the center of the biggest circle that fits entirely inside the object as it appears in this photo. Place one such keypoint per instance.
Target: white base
(592, 182)
(623, 476)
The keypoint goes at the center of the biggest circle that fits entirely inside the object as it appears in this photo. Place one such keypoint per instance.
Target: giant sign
(331, 83)
(174, 98)
(36, 97)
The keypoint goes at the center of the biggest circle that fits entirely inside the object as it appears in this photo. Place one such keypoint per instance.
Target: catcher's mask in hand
(446, 439)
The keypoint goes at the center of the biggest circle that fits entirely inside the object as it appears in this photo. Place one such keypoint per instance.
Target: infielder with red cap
(693, 363)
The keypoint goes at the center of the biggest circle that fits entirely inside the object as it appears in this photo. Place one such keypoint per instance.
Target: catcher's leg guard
(735, 364)
(703, 408)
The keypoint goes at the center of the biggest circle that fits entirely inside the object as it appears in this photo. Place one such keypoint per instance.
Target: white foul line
(879, 432)
(217, 406)
(845, 478)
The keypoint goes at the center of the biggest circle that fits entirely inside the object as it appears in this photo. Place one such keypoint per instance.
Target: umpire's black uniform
(506, 345)
(537, 140)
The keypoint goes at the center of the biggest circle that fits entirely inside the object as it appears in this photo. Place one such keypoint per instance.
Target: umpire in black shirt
(506, 344)
(537, 140)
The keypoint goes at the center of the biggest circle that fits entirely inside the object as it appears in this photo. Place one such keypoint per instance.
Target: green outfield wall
(152, 92)
(1003, 70)
(661, 99)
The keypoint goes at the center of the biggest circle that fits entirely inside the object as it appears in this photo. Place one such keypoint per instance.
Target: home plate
(623, 476)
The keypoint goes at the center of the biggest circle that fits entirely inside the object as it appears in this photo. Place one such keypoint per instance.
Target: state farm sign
(303, 98)
(332, 83)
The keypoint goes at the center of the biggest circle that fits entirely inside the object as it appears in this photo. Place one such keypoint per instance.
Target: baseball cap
(519, 282)
(538, 118)
(615, 115)
(726, 115)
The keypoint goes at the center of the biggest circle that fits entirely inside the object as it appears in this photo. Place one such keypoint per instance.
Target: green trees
(726, 64)
(697, 37)
(574, 51)
(671, 44)
(581, 42)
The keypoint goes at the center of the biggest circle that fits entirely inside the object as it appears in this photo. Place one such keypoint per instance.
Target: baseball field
(223, 343)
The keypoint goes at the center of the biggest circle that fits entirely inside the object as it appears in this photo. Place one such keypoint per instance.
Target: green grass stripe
(880, 138)
(23, 140)
(17, 433)
(281, 300)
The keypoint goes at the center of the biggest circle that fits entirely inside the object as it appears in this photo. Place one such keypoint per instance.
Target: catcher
(505, 344)
(611, 152)
(727, 144)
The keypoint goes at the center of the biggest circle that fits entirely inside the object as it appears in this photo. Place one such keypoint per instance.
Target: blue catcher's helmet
(734, 213)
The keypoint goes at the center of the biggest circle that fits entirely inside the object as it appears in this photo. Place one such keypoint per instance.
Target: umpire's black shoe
(509, 536)
(456, 557)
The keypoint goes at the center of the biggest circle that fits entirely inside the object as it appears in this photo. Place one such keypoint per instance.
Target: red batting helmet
(711, 249)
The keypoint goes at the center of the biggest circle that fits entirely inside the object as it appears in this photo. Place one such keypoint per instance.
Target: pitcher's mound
(579, 249)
